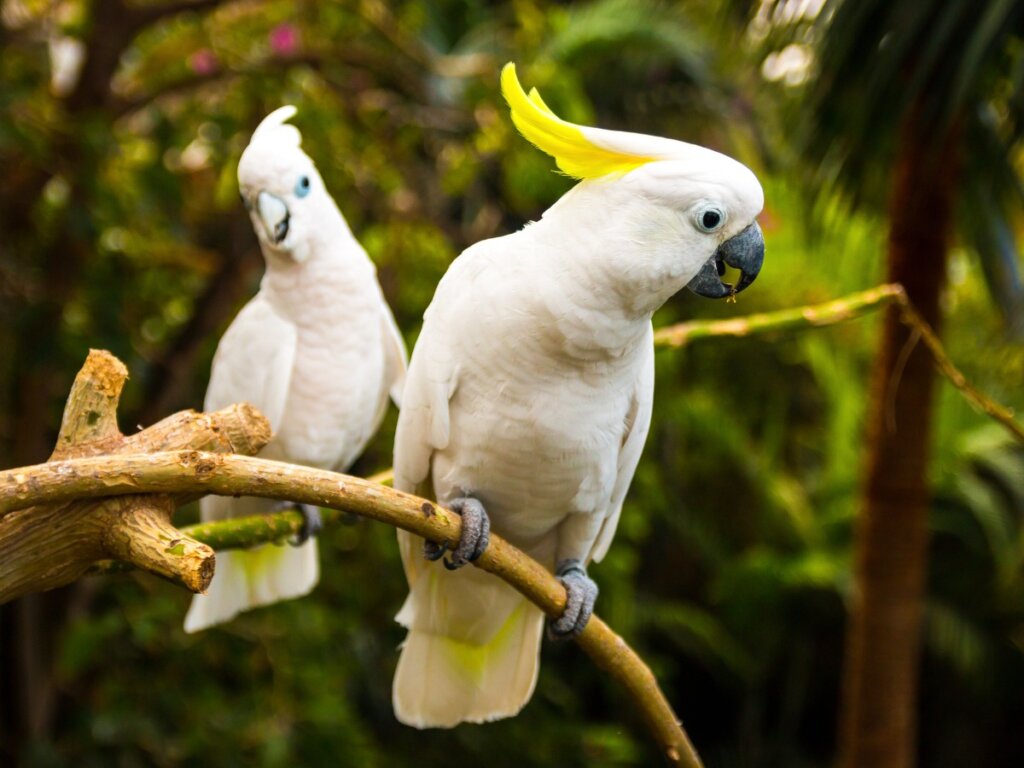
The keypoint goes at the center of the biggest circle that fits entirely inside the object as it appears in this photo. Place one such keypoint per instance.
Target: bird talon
(581, 594)
(434, 551)
(312, 522)
(475, 535)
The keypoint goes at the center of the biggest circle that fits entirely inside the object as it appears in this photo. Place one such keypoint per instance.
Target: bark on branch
(192, 472)
(49, 545)
(76, 531)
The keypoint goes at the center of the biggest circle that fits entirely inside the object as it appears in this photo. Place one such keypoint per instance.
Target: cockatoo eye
(302, 186)
(710, 218)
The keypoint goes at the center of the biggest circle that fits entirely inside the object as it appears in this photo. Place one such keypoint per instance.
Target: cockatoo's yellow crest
(574, 153)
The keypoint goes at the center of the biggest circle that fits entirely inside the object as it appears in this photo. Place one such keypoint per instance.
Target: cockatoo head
(282, 190)
(692, 211)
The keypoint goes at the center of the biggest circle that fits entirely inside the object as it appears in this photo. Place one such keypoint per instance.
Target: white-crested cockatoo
(317, 351)
(528, 397)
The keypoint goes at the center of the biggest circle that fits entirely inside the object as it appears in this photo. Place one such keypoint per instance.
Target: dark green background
(730, 574)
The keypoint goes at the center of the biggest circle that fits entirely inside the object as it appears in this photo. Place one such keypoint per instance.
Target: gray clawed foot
(476, 534)
(581, 594)
(312, 523)
(434, 551)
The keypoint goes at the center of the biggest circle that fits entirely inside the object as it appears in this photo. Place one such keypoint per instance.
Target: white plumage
(530, 389)
(317, 351)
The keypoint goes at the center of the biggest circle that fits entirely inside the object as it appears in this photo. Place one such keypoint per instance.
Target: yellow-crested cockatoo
(528, 396)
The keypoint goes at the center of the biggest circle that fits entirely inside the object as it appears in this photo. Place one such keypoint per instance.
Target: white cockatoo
(528, 398)
(317, 351)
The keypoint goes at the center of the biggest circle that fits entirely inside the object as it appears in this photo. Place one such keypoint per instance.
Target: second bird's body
(317, 351)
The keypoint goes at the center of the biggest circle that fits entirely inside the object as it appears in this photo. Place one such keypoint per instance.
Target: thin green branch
(809, 316)
(838, 311)
(987, 405)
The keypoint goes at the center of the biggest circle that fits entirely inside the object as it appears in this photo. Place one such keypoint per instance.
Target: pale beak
(274, 215)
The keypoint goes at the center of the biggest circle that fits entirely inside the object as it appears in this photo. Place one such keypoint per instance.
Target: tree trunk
(879, 699)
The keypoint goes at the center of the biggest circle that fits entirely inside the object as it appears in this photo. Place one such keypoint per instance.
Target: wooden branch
(76, 533)
(90, 414)
(838, 311)
(129, 540)
(191, 472)
(1005, 416)
(48, 545)
(810, 316)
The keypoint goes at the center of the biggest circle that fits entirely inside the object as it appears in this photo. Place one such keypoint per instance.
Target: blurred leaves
(954, 66)
(730, 570)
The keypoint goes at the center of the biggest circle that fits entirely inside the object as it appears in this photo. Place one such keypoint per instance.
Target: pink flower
(284, 39)
(204, 62)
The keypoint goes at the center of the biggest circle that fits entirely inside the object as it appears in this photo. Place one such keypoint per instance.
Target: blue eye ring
(302, 187)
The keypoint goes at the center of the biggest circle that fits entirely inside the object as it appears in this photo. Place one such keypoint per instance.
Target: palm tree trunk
(878, 709)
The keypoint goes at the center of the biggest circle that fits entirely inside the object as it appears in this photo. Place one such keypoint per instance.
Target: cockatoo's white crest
(274, 153)
(274, 128)
(282, 190)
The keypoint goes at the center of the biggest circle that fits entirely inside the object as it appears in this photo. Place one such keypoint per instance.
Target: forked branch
(77, 524)
(49, 545)
(194, 472)
(839, 311)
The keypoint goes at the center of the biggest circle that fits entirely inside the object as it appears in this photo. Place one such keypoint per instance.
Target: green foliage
(730, 572)
(876, 66)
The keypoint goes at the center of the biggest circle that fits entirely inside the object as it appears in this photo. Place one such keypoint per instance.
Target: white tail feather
(250, 578)
(472, 653)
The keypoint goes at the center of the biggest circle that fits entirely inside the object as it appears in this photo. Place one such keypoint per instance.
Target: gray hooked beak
(274, 215)
(744, 252)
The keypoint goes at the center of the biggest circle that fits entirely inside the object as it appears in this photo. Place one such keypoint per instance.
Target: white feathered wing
(472, 653)
(253, 364)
